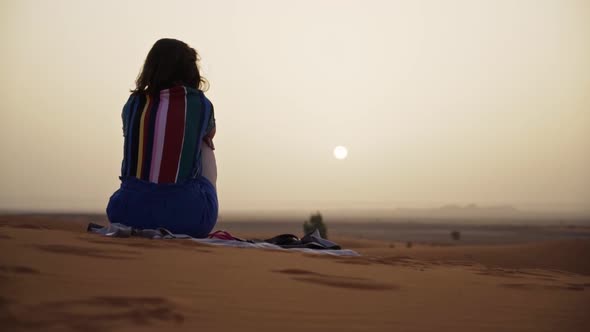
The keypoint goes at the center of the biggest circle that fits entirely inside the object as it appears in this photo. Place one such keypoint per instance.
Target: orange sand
(56, 277)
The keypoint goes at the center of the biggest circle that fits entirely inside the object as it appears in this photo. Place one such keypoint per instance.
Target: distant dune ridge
(358, 212)
(485, 213)
(467, 211)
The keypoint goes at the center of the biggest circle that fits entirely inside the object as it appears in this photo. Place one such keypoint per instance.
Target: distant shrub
(409, 244)
(456, 235)
(315, 222)
(391, 245)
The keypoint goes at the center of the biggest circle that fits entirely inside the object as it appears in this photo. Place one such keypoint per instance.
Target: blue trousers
(188, 208)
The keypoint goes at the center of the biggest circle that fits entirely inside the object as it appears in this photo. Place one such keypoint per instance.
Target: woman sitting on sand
(169, 173)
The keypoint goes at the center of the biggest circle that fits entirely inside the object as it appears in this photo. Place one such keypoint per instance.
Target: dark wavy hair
(170, 62)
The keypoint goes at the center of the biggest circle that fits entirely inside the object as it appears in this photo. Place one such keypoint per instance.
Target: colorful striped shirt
(163, 134)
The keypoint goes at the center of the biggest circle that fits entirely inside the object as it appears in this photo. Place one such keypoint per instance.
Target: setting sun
(340, 152)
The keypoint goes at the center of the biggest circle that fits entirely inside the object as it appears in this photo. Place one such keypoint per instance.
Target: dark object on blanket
(315, 237)
(284, 240)
(92, 226)
(312, 240)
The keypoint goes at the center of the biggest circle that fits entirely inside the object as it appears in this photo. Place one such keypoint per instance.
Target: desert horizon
(425, 230)
(468, 213)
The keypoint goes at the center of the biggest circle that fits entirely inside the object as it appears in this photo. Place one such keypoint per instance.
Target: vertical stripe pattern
(159, 136)
(163, 134)
(141, 138)
(174, 131)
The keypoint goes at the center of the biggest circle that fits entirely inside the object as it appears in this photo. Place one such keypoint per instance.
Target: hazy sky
(454, 101)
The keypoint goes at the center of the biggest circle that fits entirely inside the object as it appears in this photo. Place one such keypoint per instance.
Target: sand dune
(56, 277)
(563, 255)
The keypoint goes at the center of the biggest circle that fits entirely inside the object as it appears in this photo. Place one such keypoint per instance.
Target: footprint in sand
(149, 244)
(353, 262)
(88, 251)
(336, 281)
(514, 274)
(24, 226)
(101, 313)
(18, 269)
(571, 287)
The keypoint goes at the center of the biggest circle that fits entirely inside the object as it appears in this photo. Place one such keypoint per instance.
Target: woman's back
(163, 133)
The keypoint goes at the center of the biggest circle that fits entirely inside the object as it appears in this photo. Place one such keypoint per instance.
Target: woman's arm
(209, 138)
(211, 128)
